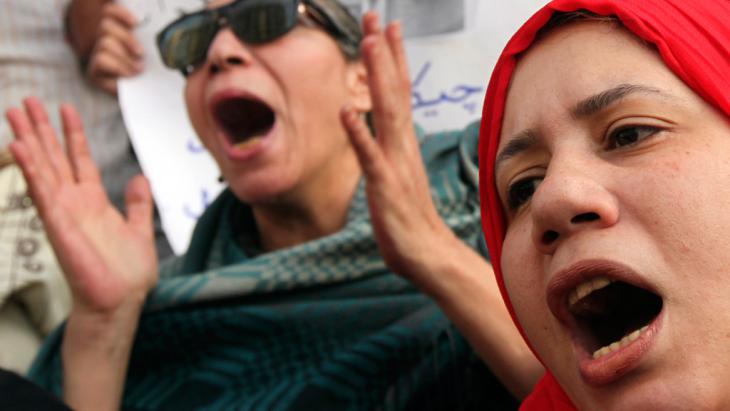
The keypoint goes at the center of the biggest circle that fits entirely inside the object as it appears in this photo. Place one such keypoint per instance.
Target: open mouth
(610, 314)
(245, 121)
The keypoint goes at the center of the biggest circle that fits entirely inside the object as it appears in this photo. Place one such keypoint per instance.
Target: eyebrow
(517, 144)
(525, 139)
(602, 100)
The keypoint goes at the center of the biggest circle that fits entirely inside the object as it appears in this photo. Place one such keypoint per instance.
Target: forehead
(572, 63)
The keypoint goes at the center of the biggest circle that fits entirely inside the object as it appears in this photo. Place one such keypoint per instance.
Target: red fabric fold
(693, 39)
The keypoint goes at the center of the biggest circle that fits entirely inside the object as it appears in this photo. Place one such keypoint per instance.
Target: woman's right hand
(109, 260)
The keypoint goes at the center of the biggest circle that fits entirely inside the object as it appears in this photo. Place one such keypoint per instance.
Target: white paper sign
(183, 175)
(452, 46)
(451, 64)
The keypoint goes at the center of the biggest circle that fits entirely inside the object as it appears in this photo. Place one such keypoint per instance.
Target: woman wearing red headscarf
(605, 153)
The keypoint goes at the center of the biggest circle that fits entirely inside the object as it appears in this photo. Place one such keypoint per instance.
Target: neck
(316, 210)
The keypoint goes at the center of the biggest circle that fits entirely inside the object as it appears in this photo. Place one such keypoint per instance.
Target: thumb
(138, 199)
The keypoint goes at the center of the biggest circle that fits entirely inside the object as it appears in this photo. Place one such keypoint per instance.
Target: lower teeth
(615, 346)
(248, 142)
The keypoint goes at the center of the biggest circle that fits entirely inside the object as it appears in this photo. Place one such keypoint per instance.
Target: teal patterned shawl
(320, 326)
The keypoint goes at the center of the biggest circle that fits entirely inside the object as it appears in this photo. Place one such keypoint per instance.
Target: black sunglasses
(184, 43)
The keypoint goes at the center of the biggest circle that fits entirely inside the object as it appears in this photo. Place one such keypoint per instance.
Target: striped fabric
(34, 298)
(320, 326)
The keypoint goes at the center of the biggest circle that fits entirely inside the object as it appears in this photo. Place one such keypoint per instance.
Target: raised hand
(116, 52)
(109, 260)
(412, 238)
(407, 226)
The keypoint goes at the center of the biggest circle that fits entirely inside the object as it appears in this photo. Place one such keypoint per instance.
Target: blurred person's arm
(101, 34)
(82, 21)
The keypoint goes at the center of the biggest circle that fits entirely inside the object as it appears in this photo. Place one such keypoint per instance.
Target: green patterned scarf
(320, 326)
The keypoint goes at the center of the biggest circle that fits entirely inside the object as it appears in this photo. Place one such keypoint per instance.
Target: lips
(611, 313)
(244, 119)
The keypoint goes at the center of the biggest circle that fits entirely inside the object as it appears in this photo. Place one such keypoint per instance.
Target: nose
(226, 51)
(569, 201)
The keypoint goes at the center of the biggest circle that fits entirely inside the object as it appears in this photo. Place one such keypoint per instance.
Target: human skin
(292, 202)
(637, 190)
(109, 259)
(82, 19)
(304, 171)
(290, 177)
(100, 32)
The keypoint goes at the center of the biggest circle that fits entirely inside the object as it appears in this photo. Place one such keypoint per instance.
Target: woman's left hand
(407, 227)
(413, 239)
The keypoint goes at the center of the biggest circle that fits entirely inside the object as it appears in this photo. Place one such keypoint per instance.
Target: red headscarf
(693, 39)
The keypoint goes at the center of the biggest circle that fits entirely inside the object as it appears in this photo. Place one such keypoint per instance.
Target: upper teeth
(586, 288)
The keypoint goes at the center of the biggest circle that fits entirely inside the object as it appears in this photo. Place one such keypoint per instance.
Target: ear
(358, 87)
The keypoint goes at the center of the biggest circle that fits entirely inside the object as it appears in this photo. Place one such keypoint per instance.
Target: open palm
(108, 259)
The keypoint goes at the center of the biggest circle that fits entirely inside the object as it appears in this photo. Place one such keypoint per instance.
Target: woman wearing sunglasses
(605, 146)
(286, 298)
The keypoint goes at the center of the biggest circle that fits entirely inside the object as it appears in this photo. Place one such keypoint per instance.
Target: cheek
(194, 103)
(523, 274)
(523, 280)
(319, 80)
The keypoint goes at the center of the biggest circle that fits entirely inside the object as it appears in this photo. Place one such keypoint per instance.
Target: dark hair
(561, 19)
(564, 18)
(339, 23)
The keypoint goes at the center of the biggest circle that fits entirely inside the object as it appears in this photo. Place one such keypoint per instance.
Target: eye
(630, 135)
(521, 191)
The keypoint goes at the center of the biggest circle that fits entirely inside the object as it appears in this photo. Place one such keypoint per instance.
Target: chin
(670, 390)
(262, 190)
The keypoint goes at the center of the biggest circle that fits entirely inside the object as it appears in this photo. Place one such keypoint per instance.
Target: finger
(119, 13)
(49, 141)
(378, 59)
(108, 64)
(105, 74)
(122, 31)
(387, 92)
(114, 47)
(394, 35)
(367, 150)
(138, 201)
(25, 134)
(380, 75)
(39, 186)
(77, 146)
(371, 23)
